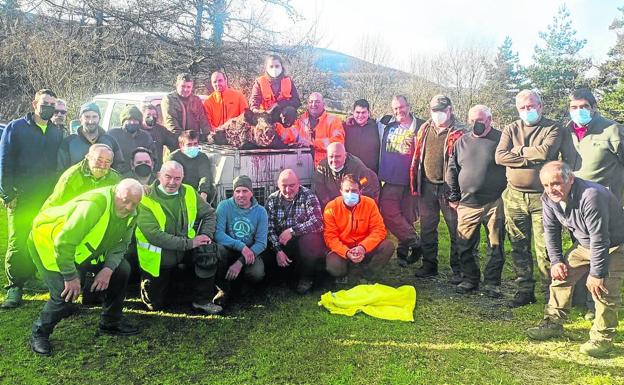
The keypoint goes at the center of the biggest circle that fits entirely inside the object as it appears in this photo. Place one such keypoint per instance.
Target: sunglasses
(60, 112)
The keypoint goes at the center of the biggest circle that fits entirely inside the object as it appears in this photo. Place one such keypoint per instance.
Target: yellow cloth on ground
(376, 300)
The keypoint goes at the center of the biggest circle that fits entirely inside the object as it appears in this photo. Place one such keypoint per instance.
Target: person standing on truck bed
(273, 88)
(184, 111)
(317, 129)
(130, 136)
(224, 103)
(197, 165)
(75, 147)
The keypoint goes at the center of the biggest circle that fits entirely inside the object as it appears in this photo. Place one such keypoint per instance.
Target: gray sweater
(595, 218)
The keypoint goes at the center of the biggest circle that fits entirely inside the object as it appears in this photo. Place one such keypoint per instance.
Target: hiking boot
(209, 308)
(596, 349)
(456, 279)
(118, 329)
(40, 345)
(546, 329)
(521, 299)
(590, 315)
(466, 287)
(493, 291)
(423, 272)
(13, 298)
(304, 286)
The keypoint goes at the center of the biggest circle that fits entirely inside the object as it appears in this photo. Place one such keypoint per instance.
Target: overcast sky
(421, 27)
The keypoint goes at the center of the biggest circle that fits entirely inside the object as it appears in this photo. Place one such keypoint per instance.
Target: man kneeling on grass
(66, 239)
(355, 233)
(242, 228)
(596, 219)
(175, 229)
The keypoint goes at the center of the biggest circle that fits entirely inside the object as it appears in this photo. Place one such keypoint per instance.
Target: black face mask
(478, 128)
(132, 128)
(46, 112)
(143, 170)
(150, 121)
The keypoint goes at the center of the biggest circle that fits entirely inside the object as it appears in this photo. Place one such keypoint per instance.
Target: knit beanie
(131, 112)
(89, 107)
(243, 181)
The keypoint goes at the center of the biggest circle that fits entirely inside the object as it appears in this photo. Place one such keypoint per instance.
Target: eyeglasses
(60, 112)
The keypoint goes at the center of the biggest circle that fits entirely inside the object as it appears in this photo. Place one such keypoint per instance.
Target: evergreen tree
(610, 80)
(503, 78)
(558, 68)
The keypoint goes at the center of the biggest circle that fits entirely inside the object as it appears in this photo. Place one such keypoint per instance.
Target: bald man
(329, 173)
(295, 229)
(317, 129)
(595, 218)
(92, 172)
(176, 227)
(65, 240)
(224, 103)
(476, 184)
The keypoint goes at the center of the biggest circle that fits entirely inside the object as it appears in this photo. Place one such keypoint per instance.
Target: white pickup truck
(262, 165)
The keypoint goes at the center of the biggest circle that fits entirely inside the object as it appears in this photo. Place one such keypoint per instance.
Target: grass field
(277, 337)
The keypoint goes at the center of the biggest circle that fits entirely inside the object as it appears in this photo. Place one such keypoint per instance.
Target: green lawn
(277, 337)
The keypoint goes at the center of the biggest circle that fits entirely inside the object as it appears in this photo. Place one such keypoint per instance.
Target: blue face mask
(529, 117)
(191, 152)
(581, 116)
(350, 198)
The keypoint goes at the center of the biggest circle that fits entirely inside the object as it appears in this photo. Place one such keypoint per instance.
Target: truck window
(115, 121)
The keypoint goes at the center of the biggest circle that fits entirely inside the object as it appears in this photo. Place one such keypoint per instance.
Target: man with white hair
(66, 239)
(476, 183)
(176, 228)
(91, 173)
(595, 218)
(525, 146)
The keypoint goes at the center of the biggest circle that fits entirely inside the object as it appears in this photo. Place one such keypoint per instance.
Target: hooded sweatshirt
(238, 227)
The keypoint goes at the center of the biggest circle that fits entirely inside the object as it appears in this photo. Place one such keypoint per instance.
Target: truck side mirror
(73, 126)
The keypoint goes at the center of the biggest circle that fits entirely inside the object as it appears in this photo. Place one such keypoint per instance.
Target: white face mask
(274, 72)
(162, 189)
(439, 117)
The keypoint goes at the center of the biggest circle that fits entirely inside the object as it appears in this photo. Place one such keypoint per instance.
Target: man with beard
(74, 147)
(27, 174)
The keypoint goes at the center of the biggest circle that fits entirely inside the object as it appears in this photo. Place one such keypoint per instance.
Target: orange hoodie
(222, 107)
(347, 227)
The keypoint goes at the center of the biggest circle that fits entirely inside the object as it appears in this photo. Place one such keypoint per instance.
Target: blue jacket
(28, 158)
(593, 215)
(237, 228)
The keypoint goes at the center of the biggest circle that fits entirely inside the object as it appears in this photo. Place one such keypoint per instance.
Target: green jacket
(66, 228)
(174, 241)
(599, 157)
(77, 180)
(184, 114)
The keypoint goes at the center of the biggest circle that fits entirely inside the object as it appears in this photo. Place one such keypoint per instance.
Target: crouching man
(296, 229)
(355, 233)
(175, 228)
(596, 219)
(66, 239)
(242, 229)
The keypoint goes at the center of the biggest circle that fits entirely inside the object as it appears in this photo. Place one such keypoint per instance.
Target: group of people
(87, 231)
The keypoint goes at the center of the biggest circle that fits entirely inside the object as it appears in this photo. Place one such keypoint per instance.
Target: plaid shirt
(304, 215)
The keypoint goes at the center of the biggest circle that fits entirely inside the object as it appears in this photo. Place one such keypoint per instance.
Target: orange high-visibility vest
(268, 99)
